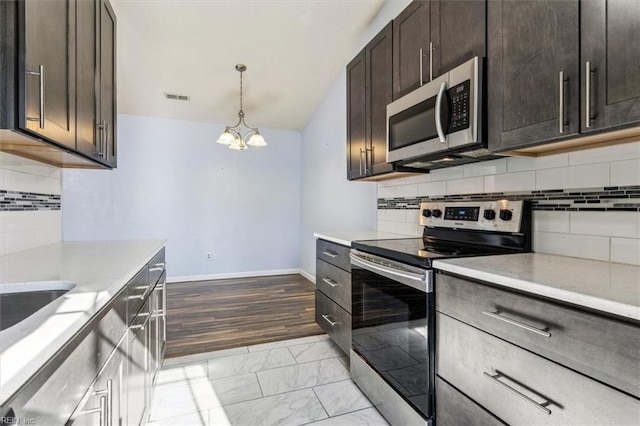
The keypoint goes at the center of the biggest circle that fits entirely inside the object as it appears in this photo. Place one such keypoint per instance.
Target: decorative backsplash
(28, 201)
(610, 198)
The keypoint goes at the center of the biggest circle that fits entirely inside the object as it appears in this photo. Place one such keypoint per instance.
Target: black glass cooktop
(421, 252)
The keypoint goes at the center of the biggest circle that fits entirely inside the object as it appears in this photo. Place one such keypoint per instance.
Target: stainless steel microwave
(443, 116)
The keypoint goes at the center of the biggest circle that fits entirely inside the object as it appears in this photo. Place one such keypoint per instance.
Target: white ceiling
(293, 49)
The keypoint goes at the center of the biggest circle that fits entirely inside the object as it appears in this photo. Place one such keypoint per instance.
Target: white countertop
(608, 287)
(345, 238)
(99, 270)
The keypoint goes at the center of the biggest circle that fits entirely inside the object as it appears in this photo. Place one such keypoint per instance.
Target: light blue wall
(173, 181)
(330, 202)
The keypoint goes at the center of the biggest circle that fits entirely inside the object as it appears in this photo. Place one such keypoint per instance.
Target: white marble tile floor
(292, 382)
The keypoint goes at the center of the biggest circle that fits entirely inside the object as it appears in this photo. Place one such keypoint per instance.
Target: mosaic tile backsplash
(612, 198)
(28, 201)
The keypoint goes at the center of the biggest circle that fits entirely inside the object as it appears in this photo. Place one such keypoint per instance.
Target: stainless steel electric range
(393, 303)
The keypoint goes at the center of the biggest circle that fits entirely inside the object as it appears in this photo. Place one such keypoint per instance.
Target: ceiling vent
(175, 97)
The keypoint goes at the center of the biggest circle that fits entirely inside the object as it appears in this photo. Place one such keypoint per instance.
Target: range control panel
(498, 215)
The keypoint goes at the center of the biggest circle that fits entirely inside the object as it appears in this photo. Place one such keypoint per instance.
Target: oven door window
(413, 125)
(391, 332)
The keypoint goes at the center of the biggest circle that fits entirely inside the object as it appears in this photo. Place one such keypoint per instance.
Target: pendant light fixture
(233, 136)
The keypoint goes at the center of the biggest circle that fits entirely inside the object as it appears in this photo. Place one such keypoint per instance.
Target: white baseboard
(248, 274)
(308, 276)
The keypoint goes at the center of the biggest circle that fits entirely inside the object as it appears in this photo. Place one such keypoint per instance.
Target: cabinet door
(107, 83)
(458, 33)
(104, 404)
(379, 60)
(530, 43)
(610, 30)
(137, 367)
(87, 63)
(411, 34)
(356, 116)
(48, 101)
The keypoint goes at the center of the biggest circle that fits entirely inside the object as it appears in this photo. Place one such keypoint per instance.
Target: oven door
(393, 325)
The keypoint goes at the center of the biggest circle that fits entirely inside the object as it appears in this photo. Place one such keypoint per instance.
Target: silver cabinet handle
(331, 282)
(143, 325)
(431, 61)
(146, 292)
(156, 269)
(159, 265)
(100, 143)
(328, 319)
(109, 394)
(498, 316)
(561, 102)
(587, 94)
(40, 74)
(441, 135)
(106, 140)
(361, 153)
(494, 378)
(101, 409)
(330, 254)
(421, 60)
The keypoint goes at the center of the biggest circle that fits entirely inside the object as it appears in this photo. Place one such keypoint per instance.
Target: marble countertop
(345, 238)
(607, 287)
(98, 269)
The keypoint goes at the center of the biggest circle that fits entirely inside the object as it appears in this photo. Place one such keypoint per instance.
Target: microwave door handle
(441, 135)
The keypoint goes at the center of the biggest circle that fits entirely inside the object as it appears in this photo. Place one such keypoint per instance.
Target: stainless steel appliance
(393, 308)
(440, 123)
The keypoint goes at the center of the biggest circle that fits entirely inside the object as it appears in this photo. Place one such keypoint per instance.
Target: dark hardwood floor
(206, 316)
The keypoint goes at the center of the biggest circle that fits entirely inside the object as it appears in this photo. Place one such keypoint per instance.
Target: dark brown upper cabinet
(458, 33)
(562, 75)
(411, 38)
(46, 77)
(356, 116)
(533, 73)
(369, 90)
(610, 64)
(57, 87)
(431, 37)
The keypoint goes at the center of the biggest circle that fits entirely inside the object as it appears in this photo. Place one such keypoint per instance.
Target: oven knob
(489, 214)
(437, 213)
(426, 213)
(506, 214)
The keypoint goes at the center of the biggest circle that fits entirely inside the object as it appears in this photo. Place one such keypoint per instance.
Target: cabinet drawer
(598, 346)
(520, 387)
(334, 320)
(156, 267)
(335, 283)
(453, 408)
(334, 253)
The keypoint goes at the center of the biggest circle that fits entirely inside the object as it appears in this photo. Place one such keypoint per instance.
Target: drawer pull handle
(328, 319)
(330, 254)
(497, 316)
(542, 407)
(331, 282)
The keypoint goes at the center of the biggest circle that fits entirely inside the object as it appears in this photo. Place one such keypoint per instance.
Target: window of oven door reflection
(391, 332)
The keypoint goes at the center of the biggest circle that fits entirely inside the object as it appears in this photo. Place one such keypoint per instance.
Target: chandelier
(233, 136)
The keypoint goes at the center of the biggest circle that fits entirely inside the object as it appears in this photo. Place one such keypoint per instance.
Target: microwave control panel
(460, 96)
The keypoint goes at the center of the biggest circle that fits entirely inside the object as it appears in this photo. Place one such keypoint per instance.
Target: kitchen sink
(21, 300)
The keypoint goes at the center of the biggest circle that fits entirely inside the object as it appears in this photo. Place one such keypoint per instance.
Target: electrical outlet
(208, 256)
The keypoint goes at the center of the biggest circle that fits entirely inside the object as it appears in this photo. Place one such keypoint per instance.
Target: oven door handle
(363, 263)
